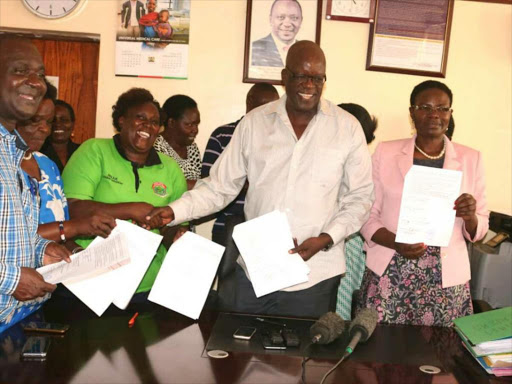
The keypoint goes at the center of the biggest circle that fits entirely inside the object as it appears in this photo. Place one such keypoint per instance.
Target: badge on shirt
(159, 189)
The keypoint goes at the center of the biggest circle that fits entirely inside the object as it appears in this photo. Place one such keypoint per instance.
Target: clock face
(351, 8)
(51, 9)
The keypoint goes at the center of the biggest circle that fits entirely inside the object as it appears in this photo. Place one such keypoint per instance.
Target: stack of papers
(264, 243)
(118, 285)
(488, 336)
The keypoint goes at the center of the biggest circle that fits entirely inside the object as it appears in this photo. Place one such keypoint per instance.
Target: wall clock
(51, 9)
(350, 10)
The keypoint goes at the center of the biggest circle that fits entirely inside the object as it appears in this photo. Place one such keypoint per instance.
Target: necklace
(27, 156)
(441, 154)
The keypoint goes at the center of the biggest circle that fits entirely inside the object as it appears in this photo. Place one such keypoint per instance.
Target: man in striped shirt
(259, 94)
(22, 86)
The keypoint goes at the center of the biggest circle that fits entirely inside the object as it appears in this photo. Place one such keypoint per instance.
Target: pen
(132, 320)
(270, 322)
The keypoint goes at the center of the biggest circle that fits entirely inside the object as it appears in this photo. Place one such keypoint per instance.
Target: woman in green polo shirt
(125, 176)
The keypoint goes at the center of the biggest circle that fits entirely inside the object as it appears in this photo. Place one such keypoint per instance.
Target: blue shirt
(218, 141)
(20, 245)
(53, 205)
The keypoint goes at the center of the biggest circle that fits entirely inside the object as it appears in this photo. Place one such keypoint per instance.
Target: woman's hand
(138, 213)
(99, 224)
(410, 251)
(465, 208)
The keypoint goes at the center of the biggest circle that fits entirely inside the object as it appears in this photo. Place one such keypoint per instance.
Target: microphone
(327, 329)
(362, 328)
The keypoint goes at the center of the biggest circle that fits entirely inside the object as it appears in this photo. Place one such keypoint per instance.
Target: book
(486, 326)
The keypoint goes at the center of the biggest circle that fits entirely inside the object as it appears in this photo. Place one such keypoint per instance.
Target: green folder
(486, 326)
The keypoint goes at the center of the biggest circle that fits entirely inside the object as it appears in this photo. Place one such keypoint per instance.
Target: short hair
(175, 106)
(132, 98)
(292, 1)
(70, 109)
(164, 11)
(369, 123)
(51, 91)
(430, 84)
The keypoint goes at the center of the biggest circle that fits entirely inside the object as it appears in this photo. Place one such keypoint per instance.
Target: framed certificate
(410, 37)
(351, 10)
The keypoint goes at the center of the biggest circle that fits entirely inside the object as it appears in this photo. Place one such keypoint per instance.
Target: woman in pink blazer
(417, 283)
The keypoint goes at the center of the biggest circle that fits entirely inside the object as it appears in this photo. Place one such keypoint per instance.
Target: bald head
(260, 94)
(303, 51)
(304, 77)
(22, 83)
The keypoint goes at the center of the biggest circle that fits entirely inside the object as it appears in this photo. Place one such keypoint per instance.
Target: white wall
(479, 74)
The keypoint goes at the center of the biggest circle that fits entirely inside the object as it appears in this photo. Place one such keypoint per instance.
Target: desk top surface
(165, 347)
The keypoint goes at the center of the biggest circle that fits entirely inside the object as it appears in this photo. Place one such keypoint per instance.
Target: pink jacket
(391, 162)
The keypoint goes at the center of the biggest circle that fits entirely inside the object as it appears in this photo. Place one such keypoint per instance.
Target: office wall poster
(152, 38)
(410, 37)
(271, 28)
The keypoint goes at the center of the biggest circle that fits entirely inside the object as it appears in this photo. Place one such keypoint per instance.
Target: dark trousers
(309, 303)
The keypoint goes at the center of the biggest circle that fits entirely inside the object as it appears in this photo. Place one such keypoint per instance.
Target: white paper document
(187, 274)
(426, 212)
(264, 243)
(118, 285)
(110, 254)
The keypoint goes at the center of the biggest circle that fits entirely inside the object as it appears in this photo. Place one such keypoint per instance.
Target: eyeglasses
(429, 109)
(302, 79)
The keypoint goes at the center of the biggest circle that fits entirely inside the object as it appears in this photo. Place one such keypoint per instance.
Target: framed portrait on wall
(272, 26)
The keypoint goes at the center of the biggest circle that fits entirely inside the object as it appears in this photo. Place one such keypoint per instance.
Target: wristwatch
(331, 243)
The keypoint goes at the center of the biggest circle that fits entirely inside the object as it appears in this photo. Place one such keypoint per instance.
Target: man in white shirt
(285, 21)
(301, 155)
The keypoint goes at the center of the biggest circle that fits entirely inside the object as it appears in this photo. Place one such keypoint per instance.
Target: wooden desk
(165, 347)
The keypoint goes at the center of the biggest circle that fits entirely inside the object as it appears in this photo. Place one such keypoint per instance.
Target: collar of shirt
(279, 107)
(152, 158)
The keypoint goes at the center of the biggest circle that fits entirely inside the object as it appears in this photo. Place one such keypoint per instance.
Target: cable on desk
(333, 368)
(303, 376)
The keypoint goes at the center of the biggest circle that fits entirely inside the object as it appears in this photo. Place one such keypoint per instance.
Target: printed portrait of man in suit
(285, 21)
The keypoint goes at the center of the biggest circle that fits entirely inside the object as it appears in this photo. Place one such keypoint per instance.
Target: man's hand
(54, 253)
(99, 224)
(410, 251)
(159, 217)
(31, 285)
(180, 232)
(311, 246)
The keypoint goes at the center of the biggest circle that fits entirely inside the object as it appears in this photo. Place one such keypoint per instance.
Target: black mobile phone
(497, 240)
(291, 339)
(272, 343)
(244, 333)
(45, 327)
(36, 348)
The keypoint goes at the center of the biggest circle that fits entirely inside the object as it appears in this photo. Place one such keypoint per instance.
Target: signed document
(95, 260)
(264, 243)
(426, 212)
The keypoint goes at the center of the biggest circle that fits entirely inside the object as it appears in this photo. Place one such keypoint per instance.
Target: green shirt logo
(160, 189)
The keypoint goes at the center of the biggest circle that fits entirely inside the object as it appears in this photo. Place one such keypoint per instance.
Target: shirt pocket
(328, 167)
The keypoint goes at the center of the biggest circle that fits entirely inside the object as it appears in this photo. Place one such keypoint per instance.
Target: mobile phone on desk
(46, 327)
(35, 348)
(244, 333)
(272, 343)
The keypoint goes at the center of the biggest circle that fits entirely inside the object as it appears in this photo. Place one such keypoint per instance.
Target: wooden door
(76, 64)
